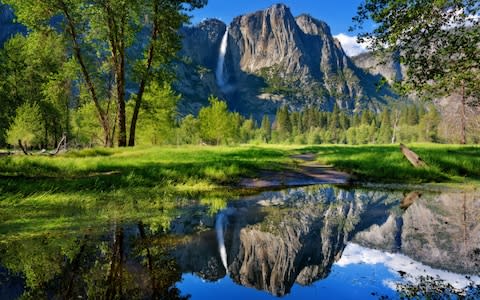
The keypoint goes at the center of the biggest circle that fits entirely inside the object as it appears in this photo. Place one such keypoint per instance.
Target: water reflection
(286, 243)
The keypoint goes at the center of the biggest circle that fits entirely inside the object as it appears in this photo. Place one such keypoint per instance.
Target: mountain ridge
(275, 59)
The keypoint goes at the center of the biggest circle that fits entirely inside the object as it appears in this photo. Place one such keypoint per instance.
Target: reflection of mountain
(413, 270)
(272, 241)
(442, 231)
(278, 239)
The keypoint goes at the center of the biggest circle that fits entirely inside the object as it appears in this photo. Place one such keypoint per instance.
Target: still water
(317, 242)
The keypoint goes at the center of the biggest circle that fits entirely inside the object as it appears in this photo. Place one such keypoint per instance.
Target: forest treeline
(41, 103)
(99, 80)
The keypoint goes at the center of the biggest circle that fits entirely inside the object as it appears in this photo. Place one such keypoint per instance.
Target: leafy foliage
(436, 40)
(27, 126)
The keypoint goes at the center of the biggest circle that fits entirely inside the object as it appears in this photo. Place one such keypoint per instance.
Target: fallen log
(412, 157)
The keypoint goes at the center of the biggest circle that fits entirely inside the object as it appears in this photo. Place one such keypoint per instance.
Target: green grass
(386, 164)
(92, 187)
(186, 168)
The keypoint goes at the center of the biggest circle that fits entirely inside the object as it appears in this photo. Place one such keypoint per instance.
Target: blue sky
(337, 13)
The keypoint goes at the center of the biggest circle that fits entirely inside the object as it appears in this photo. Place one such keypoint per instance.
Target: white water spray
(219, 228)
(221, 60)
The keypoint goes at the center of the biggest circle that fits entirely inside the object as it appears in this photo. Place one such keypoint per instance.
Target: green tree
(189, 130)
(266, 129)
(158, 114)
(101, 33)
(217, 124)
(283, 123)
(385, 130)
(428, 127)
(35, 70)
(437, 41)
(247, 130)
(27, 126)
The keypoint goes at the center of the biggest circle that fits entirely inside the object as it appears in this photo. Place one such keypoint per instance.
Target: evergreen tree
(385, 131)
(189, 131)
(283, 123)
(266, 129)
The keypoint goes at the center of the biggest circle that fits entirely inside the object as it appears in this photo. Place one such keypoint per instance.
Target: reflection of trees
(126, 264)
(162, 268)
(428, 287)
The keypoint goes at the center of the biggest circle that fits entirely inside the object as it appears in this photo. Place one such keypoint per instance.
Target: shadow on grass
(207, 167)
(387, 164)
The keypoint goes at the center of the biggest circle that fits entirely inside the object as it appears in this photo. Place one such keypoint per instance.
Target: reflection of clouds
(356, 254)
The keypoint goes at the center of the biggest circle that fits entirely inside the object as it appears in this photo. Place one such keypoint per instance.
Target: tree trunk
(463, 134)
(115, 275)
(143, 82)
(395, 126)
(22, 147)
(121, 119)
(59, 146)
(86, 75)
(116, 36)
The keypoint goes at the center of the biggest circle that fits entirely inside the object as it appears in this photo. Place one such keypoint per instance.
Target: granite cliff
(272, 59)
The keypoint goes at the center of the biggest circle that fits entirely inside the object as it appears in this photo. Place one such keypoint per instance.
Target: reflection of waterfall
(219, 228)
(221, 60)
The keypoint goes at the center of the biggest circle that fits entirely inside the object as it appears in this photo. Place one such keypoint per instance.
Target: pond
(302, 243)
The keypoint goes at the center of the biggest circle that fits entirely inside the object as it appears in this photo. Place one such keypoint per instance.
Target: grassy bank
(92, 187)
(195, 169)
(204, 169)
(95, 187)
(386, 164)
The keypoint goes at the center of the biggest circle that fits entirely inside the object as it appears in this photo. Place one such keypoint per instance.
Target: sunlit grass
(385, 163)
(94, 187)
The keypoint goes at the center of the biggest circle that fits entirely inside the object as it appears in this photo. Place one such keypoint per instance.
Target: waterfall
(221, 60)
(219, 228)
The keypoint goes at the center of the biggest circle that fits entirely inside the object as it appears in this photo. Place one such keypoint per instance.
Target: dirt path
(306, 172)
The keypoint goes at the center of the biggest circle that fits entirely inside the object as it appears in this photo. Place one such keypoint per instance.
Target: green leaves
(27, 126)
(217, 124)
(438, 41)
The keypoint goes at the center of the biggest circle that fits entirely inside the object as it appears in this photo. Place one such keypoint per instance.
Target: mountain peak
(310, 25)
(278, 7)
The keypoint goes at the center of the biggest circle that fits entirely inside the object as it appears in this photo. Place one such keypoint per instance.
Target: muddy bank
(306, 172)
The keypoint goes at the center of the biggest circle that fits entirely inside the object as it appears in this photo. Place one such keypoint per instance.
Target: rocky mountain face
(7, 25)
(388, 67)
(273, 58)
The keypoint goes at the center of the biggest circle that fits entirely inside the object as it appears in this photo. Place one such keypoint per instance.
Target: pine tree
(283, 123)
(266, 129)
(385, 131)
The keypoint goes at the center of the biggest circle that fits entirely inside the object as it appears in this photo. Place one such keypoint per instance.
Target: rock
(275, 59)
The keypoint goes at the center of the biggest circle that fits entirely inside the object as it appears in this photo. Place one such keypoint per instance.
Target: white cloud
(350, 44)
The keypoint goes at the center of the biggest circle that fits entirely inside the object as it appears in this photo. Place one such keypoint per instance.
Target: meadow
(91, 187)
(193, 169)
